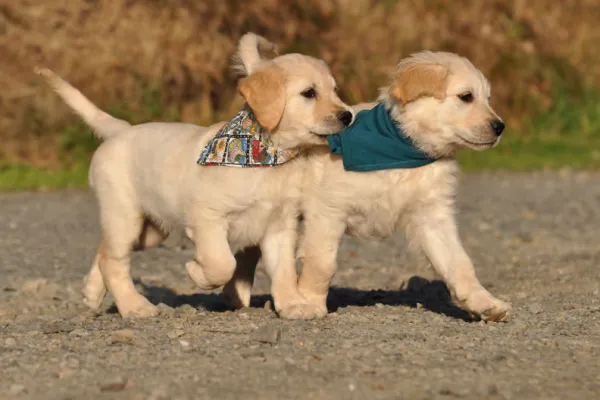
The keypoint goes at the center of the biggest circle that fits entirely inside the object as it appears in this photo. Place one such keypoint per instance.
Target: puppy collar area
(243, 143)
(374, 142)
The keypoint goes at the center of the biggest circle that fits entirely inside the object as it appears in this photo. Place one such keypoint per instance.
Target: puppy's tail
(104, 125)
(248, 56)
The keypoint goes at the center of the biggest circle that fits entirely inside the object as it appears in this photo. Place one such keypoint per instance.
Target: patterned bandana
(242, 143)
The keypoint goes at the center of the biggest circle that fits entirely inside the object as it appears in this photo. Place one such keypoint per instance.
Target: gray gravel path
(392, 332)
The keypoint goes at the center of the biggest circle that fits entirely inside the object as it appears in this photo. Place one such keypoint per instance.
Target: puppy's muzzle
(345, 117)
(497, 126)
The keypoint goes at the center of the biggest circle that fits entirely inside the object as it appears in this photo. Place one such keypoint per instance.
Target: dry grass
(169, 59)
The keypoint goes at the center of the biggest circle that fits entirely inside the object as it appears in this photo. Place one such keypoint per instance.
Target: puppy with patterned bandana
(152, 178)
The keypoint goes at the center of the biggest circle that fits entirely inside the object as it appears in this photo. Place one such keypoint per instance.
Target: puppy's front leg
(318, 252)
(214, 264)
(436, 232)
(278, 247)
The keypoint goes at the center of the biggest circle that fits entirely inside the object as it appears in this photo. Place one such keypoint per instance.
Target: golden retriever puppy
(440, 103)
(147, 181)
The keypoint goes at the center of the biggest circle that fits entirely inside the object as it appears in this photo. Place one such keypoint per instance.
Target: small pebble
(34, 285)
(58, 327)
(175, 333)
(186, 309)
(17, 389)
(266, 334)
(114, 385)
(165, 309)
(10, 342)
(123, 336)
(79, 333)
(535, 308)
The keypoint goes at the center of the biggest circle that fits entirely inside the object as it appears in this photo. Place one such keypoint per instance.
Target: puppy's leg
(238, 290)
(152, 235)
(121, 224)
(318, 252)
(278, 255)
(214, 264)
(94, 289)
(436, 233)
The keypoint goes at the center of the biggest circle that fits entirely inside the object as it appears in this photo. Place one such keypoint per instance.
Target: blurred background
(148, 60)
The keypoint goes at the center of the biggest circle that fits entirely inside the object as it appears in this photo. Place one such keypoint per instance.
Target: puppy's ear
(265, 93)
(418, 80)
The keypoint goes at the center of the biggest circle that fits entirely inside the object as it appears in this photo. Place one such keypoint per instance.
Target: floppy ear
(418, 80)
(265, 93)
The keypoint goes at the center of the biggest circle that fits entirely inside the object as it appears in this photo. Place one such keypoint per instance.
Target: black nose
(497, 126)
(345, 117)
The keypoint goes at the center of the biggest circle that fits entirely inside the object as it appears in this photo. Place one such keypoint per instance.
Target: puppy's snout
(497, 126)
(345, 117)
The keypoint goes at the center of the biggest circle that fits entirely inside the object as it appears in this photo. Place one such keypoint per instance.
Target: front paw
(196, 272)
(137, 307)
(301, 311)
(482, 304)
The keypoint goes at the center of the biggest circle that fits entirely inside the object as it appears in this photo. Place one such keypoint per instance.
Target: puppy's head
(293, 96)
(442, 102)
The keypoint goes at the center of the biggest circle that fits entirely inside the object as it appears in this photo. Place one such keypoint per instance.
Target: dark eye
(466, 97)
(309, 93)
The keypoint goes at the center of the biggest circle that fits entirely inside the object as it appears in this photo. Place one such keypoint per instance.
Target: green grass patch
(532, 154)
(26, 177)
(567, 134)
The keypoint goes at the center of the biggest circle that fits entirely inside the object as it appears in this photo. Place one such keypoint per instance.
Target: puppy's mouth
(321, 134)
(478, 144)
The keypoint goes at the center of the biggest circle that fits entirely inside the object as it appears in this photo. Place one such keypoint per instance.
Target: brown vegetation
(169, 59)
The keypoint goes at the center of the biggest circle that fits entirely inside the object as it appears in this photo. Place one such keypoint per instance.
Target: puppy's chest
(248, 227)
(377, 218)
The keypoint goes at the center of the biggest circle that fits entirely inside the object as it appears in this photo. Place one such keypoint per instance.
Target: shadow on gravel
(208, 301)
(433, 295)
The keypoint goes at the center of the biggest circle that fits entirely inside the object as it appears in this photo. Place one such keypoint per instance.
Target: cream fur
(147, 183)
(419, 201)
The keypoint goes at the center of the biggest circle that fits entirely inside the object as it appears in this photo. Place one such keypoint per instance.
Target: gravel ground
(391, 333)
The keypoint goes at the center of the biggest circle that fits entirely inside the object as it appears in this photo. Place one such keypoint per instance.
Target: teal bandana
(374, 142)
(242, 143)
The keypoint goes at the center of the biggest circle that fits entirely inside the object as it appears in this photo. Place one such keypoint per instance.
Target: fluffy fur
(442, 102)
(147, 183)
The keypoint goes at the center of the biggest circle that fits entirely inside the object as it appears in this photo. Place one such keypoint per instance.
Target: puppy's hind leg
(152, 235)
(121, 224)
(238, 290)
(94, 289)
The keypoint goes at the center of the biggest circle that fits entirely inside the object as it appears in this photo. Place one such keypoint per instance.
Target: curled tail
(104, 125)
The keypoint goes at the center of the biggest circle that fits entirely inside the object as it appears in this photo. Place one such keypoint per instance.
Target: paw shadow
(433, 295)
(214, 302)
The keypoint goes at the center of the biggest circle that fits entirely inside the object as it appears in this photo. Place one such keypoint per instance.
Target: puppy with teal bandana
(395, 169)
